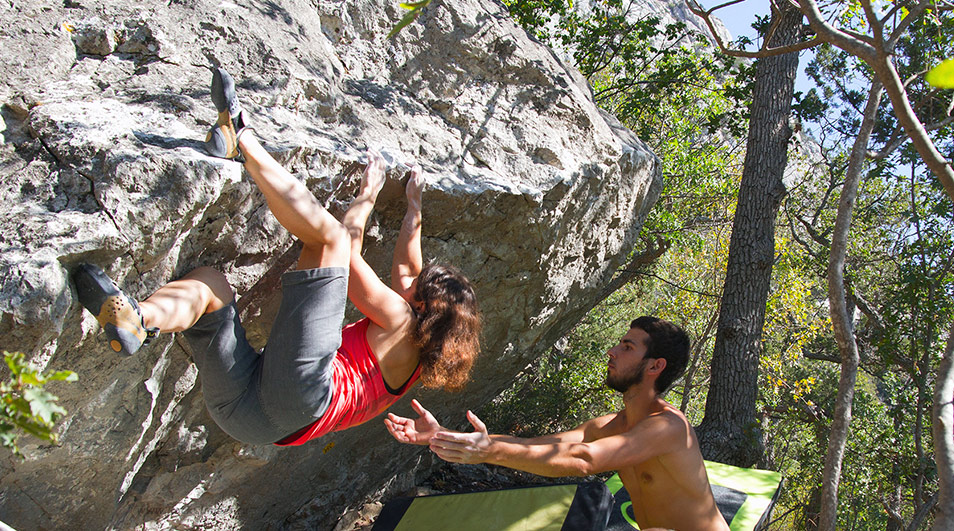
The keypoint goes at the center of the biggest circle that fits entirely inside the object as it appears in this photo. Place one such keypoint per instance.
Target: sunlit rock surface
(532, 192)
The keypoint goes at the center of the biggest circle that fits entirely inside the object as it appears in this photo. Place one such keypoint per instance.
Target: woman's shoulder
(398, 329)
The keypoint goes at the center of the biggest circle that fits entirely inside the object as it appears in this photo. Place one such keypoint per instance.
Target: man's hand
(413, 431)
(415, 188)
(468, 448)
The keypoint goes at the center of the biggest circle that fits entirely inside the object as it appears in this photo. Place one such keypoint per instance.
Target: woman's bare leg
(326, 241)
(179, 304)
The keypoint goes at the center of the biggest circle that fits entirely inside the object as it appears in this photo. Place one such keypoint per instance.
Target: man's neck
(639, 401)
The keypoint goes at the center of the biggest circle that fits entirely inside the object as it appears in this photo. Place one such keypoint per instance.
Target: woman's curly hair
(448, 327)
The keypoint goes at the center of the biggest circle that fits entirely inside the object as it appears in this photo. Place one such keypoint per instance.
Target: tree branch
(840, 316)
(654, 249)
(887, 74)
(866, 309)
(914, 13)
(815, 235)
(877, 27)
(922, 513)
(892, 513)
(827, 33)
(764, 50)
(822, 357)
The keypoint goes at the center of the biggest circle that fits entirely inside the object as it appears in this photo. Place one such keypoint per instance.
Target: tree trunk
(729, 432)
(943, 424)
(841, 319)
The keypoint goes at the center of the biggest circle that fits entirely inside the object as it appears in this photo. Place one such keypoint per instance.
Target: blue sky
(738, 19)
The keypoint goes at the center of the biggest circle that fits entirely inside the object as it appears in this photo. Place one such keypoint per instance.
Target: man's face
(627, 361)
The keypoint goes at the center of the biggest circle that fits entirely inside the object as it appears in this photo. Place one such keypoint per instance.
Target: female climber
(312, 377)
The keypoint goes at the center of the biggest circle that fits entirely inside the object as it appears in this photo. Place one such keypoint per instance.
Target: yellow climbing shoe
(116, 312)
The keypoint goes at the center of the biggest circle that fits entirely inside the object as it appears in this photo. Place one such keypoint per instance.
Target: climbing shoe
(116, 312)
(222, 140)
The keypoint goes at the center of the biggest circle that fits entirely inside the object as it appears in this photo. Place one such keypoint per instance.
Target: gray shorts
(260, 399)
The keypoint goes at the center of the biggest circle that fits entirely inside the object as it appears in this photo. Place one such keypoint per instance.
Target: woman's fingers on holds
(374, 173)
(415, 186)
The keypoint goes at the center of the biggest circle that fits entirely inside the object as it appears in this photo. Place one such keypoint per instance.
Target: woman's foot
(222, 140)
(116, 312)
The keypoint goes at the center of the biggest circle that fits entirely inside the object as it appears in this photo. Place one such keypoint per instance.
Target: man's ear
(657, 366)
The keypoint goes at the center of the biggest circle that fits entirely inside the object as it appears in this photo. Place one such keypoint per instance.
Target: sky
(738, 19)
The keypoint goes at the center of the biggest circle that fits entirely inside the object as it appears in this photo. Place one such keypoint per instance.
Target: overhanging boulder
(532, 191)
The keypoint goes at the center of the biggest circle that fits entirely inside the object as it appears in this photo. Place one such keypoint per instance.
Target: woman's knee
(339, 237)
(220, 291)
(333, 251)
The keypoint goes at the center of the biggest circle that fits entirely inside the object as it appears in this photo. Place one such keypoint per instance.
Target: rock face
(535, 194)
(667, 11)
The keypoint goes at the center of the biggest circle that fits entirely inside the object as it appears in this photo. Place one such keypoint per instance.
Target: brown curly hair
(448, 327)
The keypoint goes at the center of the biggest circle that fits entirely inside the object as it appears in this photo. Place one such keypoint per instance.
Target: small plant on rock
(25, 406)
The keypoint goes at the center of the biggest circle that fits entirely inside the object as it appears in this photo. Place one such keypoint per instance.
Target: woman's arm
(365, 290)
(356, 218)
(408, 258)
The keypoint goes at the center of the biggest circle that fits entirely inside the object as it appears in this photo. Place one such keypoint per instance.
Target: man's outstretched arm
(421, 429)
(652, 437)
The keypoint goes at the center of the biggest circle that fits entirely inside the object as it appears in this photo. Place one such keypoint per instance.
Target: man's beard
(622, 382)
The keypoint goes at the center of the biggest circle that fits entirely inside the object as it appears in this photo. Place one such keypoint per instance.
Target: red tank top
(360, 393)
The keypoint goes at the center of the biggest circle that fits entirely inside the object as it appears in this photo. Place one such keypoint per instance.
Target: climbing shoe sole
(222, 139)
(116, 312)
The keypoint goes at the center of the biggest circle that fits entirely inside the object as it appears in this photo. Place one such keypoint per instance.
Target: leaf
(942, 75)
(43, 404)
(66, 376)
(34, 428)
(404, 22)
(25, 407)
(415, 5)
(29, 377)
(17, 406)
(14, 361)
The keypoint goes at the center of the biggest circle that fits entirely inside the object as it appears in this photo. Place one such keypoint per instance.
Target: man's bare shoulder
(600, 427)
(665, 421)
(669, 412)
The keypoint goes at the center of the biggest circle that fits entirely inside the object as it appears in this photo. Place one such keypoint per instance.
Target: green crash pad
(552, 507)
(744, 496)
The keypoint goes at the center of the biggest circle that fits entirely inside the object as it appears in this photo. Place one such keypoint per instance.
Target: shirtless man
(650, 442)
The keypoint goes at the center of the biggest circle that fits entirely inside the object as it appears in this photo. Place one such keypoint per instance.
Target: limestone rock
(535, 194)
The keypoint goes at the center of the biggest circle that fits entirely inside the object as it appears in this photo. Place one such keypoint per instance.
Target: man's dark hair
(666, 341)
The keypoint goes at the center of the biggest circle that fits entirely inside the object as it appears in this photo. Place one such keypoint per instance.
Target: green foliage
(415, 10)
(25, 406)
(641, 69)
(535, 16)
(682, 99)
(942, 75)
(663, 82)
(899, 275)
